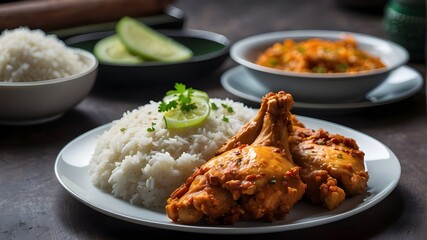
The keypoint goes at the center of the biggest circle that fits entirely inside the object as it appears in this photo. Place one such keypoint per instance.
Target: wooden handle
(55, 14)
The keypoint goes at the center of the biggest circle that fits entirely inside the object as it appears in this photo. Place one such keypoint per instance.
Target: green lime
(196, 93)
(111, 50)
(142, 40)
(177, 118)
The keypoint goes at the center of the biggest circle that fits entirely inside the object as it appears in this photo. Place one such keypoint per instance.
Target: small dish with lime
(135, 54)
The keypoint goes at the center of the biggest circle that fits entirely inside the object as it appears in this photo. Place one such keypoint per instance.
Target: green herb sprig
(151, 129)
(183, 101)
(228, 108)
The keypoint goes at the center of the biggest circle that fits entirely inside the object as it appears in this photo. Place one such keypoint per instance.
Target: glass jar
(404, 21)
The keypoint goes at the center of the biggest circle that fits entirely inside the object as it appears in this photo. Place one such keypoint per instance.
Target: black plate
(210, 51)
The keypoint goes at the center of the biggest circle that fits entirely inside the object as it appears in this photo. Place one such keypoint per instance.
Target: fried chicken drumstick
(252, 176)
(332, 165)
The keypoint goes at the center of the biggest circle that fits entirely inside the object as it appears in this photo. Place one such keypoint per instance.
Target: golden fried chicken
(332, 165)
(252, 176)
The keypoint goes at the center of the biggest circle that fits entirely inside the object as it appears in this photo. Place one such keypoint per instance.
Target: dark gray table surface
(33, 204)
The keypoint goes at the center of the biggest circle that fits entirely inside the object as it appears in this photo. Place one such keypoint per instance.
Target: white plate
(400, 84)
(72, 171)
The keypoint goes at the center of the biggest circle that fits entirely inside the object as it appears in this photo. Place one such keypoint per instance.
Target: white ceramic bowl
(23, 103)
(319, 87)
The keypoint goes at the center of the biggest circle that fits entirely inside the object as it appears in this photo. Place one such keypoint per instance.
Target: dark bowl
(210, 51)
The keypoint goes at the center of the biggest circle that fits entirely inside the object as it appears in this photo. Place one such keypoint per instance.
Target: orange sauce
(319, 56)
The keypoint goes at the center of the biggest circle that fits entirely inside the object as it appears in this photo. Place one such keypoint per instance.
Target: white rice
(31, 55)
(144, 167)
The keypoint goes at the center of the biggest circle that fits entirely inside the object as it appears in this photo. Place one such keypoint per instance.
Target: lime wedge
(111, 50)
(177, 118)
(150, 44)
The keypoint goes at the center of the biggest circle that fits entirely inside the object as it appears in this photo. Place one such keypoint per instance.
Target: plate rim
(227, 76)
(228, 229)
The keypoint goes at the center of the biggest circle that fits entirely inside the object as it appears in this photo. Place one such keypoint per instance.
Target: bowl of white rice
(40, 77)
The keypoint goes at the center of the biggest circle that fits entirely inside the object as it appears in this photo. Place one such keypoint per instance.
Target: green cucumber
(111, 50)
(142, 40)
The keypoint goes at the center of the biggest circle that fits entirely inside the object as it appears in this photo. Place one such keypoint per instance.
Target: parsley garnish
(301, 50)
(272, 61)
(229, 109)
(320, 69)
(151, 129)
(183, 101)
(342, 67)
(123, 130)
(214, 106)
(179, 89)
(225, 119)
(164, 107)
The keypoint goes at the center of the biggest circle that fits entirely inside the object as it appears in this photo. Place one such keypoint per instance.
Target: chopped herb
(272, 181)
(214, 106)
(123, 130)
(342, 67)
(229, 109)
(188, 106)
(184, 99)
(164, 107)
(179, 89)
(272, 61)
(151, 129)
(319, 69)
(340, 156)
(225, 119)
(301, 50)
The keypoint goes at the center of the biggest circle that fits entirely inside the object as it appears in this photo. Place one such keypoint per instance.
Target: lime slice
(111, 50)
(176, 118)
(196, 93)
(150, 44)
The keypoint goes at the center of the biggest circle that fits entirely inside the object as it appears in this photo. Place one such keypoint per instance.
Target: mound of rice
(144, 167)
(31, 55)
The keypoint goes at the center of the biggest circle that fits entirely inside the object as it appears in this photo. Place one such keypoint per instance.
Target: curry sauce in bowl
(317, 55)
(318, 65)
